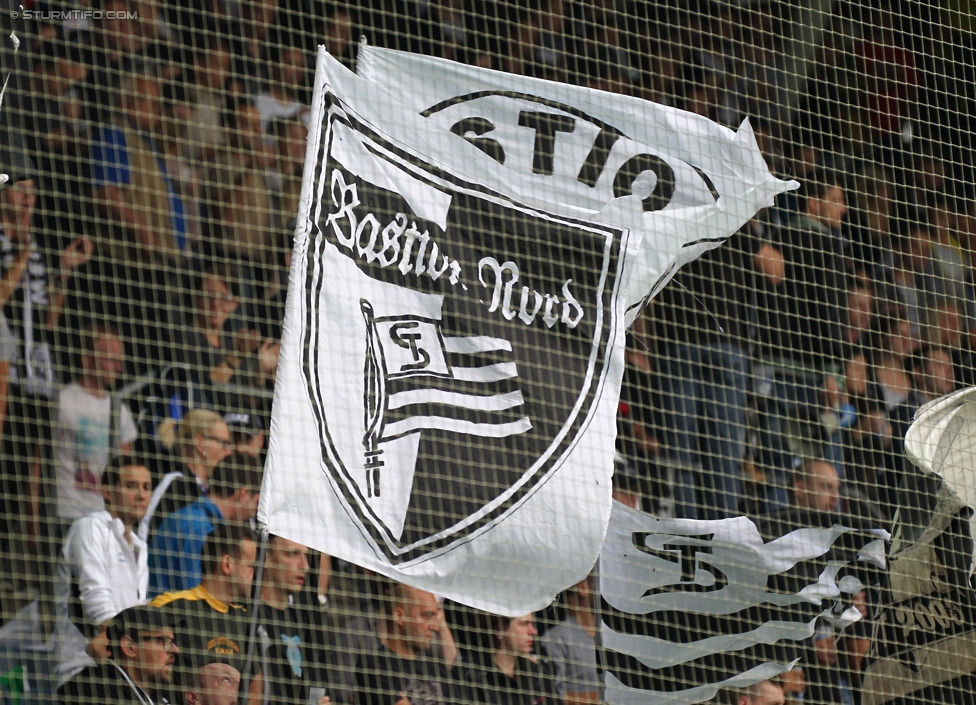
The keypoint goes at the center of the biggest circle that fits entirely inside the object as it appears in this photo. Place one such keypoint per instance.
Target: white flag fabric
(942, 440)
(923, 649)
(578, 150)
(690, 607)
(445, 403)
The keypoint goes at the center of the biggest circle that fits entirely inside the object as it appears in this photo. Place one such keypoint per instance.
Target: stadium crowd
(156, 163)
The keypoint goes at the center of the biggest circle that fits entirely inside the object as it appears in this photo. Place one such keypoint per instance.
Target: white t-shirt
(82, 452)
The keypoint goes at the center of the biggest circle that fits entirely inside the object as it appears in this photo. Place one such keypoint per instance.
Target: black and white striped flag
(691, 607)
(468, 385)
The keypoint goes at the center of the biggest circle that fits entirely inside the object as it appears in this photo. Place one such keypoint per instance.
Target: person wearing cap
(174, 551)
(246, 432)
(140, 670)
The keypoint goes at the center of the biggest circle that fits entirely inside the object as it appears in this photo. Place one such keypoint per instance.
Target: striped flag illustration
(424, 380)
(691, 607)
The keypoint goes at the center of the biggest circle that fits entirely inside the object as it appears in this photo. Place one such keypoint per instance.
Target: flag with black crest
(690, 607)
(453, 347)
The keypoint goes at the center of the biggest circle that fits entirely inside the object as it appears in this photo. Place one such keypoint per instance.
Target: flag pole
(255, 604)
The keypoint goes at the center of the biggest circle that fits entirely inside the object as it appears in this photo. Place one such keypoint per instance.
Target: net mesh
(154, 153)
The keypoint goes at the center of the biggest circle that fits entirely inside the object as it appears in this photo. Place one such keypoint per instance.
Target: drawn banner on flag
(441, 372)
(445, 402)
(690, 607)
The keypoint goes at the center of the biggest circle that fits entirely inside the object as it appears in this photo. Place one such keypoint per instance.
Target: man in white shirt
(103, 567)
(85, 426)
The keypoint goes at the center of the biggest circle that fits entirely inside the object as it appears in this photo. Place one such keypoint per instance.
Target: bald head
(414, 616)
(817, 486)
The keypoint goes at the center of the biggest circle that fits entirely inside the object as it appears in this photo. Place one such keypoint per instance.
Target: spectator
(702, 376)
(58, 139)
(873, 223)
(894, 346)
(403, 666)
(136, 195)
(115, 49)
(177, 110)
(571, 646)
(210, 618)
(144, 652)
(289, 136)
(816, 486)
(539, 45)
(360, 635)
(934, 376)
(801, 334)
(207, 81)
(911, 284)
(860, 318)
(288, 70)
(102, 569)
(31, 303)
(214, 356)
(515, 675)
(238, 196)
(174, 552)
(287, 648)
(251, 38)
(202, 441)
(247, 432)
(86, 431)
(142, 234)
(214, 683)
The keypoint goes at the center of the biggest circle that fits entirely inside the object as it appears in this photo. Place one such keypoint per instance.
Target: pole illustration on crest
(375, 379)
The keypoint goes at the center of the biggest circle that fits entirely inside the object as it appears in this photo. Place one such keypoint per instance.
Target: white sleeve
(89, 558)
(127, 426)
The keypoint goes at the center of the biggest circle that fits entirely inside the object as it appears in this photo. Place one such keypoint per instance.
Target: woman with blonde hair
(199, 441)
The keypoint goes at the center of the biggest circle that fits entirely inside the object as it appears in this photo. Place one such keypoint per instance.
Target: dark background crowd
(155, 152)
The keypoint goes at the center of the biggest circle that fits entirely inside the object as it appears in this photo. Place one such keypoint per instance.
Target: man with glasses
(140, 670)
(174, 552)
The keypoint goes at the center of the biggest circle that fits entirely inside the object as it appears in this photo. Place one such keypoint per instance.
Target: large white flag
(451, 360)
(691, 607)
